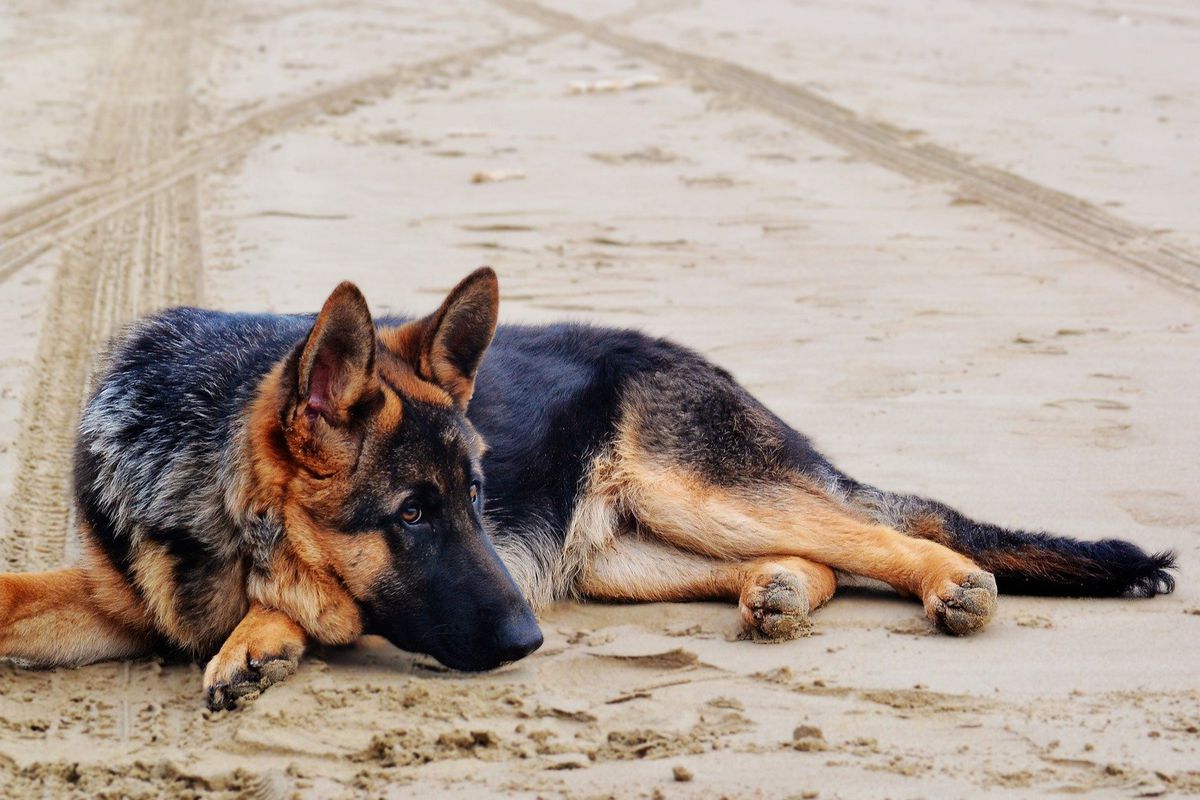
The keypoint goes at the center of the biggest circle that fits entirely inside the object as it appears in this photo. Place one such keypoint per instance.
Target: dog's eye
(473, 492)
(410, 514)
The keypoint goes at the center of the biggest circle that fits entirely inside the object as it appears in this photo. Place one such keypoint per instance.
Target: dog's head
(385, 488)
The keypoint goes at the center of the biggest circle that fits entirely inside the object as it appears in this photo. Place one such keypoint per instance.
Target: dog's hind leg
(774, 595)
(701, 465)
(782, 519)
(263, 649)
(70, 617)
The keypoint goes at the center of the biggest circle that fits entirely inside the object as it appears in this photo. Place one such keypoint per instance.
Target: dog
(248, 484)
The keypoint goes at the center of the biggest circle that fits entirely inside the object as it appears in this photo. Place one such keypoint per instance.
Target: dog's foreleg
(292, 603)
(67, 617)
(775, 595)
(263, 649)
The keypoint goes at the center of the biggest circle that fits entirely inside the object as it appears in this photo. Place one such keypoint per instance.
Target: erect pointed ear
(447, 346)
(336, 368)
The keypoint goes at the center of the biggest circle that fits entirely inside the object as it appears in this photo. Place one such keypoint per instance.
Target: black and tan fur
(245, 485)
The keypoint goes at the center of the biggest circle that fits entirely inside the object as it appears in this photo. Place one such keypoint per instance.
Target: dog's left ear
(447, 346)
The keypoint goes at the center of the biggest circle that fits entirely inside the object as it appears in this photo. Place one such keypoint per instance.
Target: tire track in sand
(33, 228)
(138, 259)
(1061, 215)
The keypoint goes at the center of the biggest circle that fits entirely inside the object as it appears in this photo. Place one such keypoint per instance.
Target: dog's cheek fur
(362, 560)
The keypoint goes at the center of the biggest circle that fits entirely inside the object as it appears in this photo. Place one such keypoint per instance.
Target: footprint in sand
(1159, 508)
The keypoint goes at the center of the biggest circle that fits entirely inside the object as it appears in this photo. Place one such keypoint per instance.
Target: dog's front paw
(241, 671)
(774, 607)
(963, 606)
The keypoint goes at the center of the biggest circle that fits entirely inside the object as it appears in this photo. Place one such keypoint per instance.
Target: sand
(955, 243)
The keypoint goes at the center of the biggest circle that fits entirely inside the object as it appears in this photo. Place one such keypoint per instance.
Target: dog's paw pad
(775, 608)
(963, 607)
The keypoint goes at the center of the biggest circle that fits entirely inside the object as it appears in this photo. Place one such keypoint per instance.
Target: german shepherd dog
(248, 484)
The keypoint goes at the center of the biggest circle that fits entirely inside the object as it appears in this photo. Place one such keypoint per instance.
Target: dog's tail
(1024, 562)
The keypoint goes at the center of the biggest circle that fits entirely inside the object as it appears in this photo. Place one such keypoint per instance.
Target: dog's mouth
(504, 644)
(487, 647)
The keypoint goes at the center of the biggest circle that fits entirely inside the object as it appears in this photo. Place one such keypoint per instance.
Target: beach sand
(953, 242)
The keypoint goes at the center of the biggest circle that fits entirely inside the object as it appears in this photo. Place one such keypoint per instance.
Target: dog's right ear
(334, 372)
(446, 347)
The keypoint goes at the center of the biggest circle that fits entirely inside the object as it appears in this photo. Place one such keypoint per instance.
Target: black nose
(517, 637)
